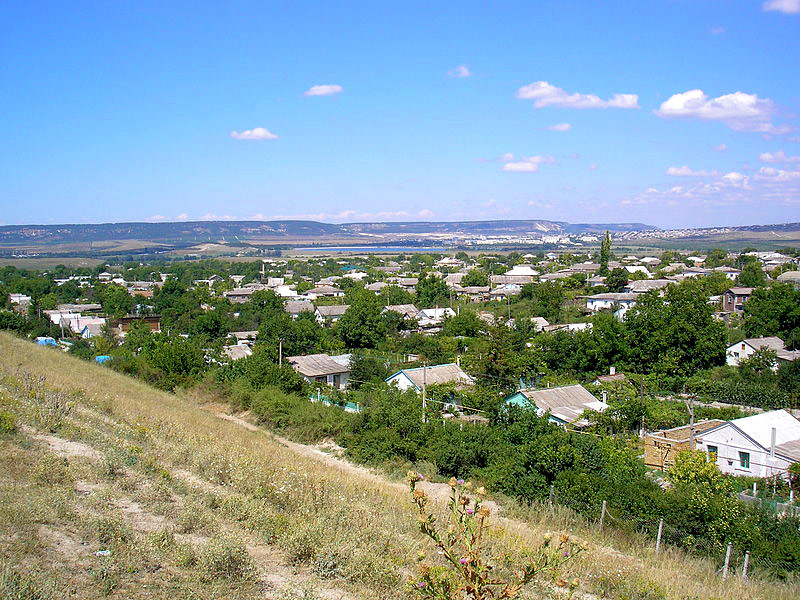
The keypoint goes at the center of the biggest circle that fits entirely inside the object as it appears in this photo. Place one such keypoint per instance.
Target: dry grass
(183, 495)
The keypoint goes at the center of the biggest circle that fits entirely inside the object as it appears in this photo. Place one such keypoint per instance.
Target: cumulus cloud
(735, 179)
(721, 147)
(739, 111)
(544, 94)
(425, 213)
(777, 157)
(773, 174)
(560, 127)
(528, 164)
(687, 172)
(257, 133)
(791, 7)
(460, 71)
(323, 90)
(182, 217)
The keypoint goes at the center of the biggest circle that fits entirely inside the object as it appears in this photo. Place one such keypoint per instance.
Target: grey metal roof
(437, 374)
(335, 310)
(316, 365)
(294, 307)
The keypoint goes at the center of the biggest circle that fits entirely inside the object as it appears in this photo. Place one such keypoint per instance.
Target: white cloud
(425, 213)
(182, 217)
(687, 172)
(791, 7)
(773, 174)
(157, 218)
(507, 157)
(257, 133)
(460, 71)
(544, 94)
(777, 157)
(528, 164)
(721, 147)
(739, 111)
(560, 127)
(323, 90)
(735, 179)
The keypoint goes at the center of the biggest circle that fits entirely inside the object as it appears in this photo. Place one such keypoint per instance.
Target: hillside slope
(191, 505)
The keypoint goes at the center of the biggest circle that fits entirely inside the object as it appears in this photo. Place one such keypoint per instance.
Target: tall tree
(605, 254)
(676, 334)
(774, 310)
(432, 291)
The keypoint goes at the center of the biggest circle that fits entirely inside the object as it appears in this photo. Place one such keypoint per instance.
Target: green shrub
(224, 558)
(8, 423)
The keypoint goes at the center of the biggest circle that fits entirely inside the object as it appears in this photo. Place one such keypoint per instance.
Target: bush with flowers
(468, 568)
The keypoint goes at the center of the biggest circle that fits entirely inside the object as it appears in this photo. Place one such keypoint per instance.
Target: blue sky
(674, 113)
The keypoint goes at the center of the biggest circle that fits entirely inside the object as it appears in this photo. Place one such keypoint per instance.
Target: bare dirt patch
(65, 543)
(64, 448)
(139, 518)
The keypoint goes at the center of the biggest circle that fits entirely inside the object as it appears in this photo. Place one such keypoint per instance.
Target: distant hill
(192, 231)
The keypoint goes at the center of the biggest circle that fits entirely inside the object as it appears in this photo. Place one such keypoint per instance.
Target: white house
(423, 376)
(321, 368)
(762, 445)
(429, 317)
(566, 404)
(620, 303)
(746, 348)
(326, 315)
(524, 270)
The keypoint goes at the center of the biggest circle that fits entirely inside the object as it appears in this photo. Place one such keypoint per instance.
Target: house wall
(402, 382)
(729, 441)
(660, 452)
(738, 352)
(733, 303)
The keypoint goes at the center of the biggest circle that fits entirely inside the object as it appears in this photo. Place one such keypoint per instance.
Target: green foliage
(115, 300)
(432, 291)
(616, 280)
(475, 277)
(680, 331)
(8, 423)
(752, 275)
(365, 369)
(789, 378)
(362, 326)
(224, 558)
(774, 310)
(466, 323)
(301, 419)
(546, 299)
(605, 254)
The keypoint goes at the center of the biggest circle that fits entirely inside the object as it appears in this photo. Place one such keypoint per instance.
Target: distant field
(49, 263)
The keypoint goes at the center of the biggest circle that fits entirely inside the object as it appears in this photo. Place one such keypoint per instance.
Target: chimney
(772, 443)
(604, 395)
(458, 360)
(612, 370)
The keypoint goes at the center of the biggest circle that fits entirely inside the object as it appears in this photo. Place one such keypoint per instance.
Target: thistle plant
(469, 570)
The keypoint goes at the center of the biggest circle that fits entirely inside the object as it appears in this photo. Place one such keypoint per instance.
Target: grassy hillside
(191, 505)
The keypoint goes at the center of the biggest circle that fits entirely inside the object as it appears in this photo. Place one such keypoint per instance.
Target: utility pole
(690, 405)
(424, 392)
(280, 351)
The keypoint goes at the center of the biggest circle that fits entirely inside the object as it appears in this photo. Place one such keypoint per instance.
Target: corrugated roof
(237, 352)
(335, 310)
(560, 398)
(437, 374)
(298, 306)
(759, 427)
(316, 365)
(772, 342)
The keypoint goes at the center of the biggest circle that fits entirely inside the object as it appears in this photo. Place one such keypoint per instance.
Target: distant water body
(374, 249)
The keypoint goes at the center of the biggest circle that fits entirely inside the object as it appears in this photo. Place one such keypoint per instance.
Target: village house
(791, 277)
(733, 299)
(420, 377)
(620, 303)
(642, 286)
(326, 315)
(321, 368)
(762, 445)
(238, 351)
(735, 353)
(122, 325)
(661, 447)
(324, 291)
(295, 307)
(408, 311)
(567, 327)
(564, 404)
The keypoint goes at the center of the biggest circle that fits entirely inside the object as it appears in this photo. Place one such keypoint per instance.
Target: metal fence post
(552, 491)
(660, 529)
(745, 564)
(602, 514)
(727, 561)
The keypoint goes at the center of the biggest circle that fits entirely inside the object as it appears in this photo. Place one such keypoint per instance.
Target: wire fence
(730, 559)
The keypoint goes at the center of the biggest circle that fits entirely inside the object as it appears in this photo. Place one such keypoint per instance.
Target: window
(712, 452)
(744, 460)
